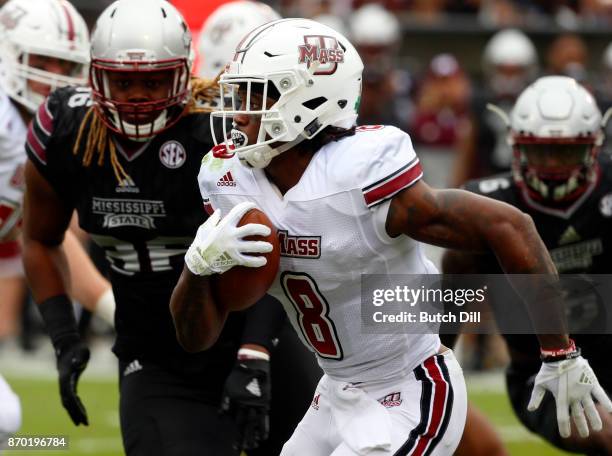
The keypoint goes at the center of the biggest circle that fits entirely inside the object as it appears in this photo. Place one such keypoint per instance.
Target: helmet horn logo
(324, 50)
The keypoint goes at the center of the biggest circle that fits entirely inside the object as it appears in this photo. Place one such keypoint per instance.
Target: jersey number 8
(312, 314)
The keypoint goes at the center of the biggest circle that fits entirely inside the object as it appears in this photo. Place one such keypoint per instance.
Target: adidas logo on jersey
(134, 366)
(569, 236)
(127, 186)
(226, 181)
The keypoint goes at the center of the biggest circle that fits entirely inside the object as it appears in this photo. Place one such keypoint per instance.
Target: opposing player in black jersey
(559, 178)
(125, 154)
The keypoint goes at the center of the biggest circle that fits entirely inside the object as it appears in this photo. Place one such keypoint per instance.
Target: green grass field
(43, 415)
(519, 441)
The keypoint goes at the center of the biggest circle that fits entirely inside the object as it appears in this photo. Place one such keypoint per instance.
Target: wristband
(248, 353)
(561, 354)
(58, 315)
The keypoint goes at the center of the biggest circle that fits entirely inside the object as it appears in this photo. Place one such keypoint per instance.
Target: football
(241, 286)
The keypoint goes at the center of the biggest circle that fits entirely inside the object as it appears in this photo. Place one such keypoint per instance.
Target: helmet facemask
(259, 97)
(140, 120)
(555, 173)
(283, 124)
(25, 72)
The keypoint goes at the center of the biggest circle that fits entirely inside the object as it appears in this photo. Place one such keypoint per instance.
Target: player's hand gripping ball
(240, 252)
(243, 286)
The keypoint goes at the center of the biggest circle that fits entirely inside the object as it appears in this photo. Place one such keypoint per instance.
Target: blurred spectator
(568, 56)
(391, 5)
(500, 13)
(463, 6)
(595, 12)
(312, 8)
(509, 64)
(375, 32)
(441, 122)
(605, 76)
(428, 11)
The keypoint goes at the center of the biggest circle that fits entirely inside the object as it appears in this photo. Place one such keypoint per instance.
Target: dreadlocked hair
(203, 95)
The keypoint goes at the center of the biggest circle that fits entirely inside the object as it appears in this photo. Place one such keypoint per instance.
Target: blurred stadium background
(428, 71)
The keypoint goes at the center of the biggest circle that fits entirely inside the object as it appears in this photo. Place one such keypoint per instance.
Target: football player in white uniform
(44, 44)
(347, 201)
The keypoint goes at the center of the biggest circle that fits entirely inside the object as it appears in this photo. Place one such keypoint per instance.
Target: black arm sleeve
(264, 321)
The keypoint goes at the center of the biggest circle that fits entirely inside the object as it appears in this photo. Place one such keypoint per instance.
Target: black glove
(246, 398)
(72, 355)
(71, 362)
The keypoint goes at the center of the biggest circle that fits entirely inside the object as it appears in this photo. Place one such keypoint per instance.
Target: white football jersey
(332, 229)
(13, 131)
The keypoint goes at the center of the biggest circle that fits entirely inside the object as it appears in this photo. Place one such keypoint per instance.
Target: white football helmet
(315, 73)
(556, 133)
(374, 25)
(509, 48)
(49, 28)
(141, 36)
(224, 29)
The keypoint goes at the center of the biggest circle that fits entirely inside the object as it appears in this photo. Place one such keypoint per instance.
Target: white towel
(364, 424)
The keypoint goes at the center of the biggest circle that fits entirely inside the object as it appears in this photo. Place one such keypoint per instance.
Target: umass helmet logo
(325, 50)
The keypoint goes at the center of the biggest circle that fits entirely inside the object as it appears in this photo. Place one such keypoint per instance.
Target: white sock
(105, 307)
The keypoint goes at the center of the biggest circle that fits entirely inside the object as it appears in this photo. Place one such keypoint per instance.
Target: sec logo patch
(172, 154)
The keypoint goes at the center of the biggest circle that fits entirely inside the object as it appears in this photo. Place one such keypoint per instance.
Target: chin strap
(262, 158)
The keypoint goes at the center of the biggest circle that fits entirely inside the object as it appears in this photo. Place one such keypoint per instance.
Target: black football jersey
(144, 225)
(579, 240)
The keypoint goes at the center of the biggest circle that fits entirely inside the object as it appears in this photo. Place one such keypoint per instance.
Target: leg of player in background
(12, 290)
(10, 412)
(88, 286)
(12, 287)
(479, 437)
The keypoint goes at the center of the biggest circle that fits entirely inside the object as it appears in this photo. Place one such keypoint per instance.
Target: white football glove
(571, 382)
(219, 245)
